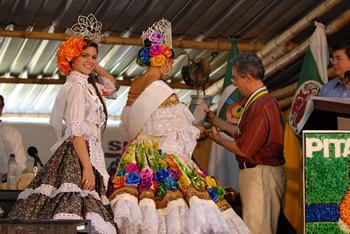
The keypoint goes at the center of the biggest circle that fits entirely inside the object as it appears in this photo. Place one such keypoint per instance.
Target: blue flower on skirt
(161, 175)
(132, 178)
(122, 172)
(172, 183)
(144, 55)
(212, 193)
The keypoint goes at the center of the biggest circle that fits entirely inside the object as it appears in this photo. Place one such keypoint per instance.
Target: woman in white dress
(155, 187)
(73, 183)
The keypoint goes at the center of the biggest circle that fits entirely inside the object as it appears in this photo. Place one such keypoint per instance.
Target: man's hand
(210, 115)
(213, 134)
(227, 144)
(221, 124)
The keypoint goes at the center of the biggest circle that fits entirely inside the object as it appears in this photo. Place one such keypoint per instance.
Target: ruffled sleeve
(75, 114)
(106, 88)
(174, 126)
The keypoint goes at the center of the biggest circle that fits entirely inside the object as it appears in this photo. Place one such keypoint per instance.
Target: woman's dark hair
(2, 99)
(172, 54)
(91, 80)
(343, 45)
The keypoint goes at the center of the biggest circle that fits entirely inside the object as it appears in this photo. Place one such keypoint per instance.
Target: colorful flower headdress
(157, 44)
(87, 27)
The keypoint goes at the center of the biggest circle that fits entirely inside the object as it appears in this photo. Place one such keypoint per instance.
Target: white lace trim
(97, 160)
(51, 192)
(173, 125)
(77, 128)
(236, 225)
(108, 86)
(149, 220)
(66, 216)
(97, 222)
(206, 219)
(127, 216)
(78, 75)
(175, 222)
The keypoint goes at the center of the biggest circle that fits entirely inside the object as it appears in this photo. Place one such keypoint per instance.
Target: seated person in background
(338, 87)
(11, 143)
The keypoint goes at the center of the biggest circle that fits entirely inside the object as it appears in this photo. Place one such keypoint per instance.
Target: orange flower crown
(87, 27)
(69, 49)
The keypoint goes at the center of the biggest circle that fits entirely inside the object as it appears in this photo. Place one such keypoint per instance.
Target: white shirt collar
(78, 75)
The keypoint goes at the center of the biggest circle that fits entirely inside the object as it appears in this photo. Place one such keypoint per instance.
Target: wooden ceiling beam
(305, 22)
(184, 44)
(299, 51)
(174, 85)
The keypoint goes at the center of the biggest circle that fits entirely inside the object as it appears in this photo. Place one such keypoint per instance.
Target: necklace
(251, 99)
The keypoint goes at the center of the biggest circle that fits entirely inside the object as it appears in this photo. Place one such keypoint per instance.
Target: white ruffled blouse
(172, 124)
(83, 115)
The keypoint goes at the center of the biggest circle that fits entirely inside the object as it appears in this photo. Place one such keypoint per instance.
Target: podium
(323, 113)
(325, 129)
(45, 226)
(7, 200)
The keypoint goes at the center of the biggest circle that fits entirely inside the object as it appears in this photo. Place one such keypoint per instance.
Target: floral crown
(157, 44)
(87, 27)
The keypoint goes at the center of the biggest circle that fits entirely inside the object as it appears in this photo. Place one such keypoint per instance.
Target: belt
(246, 165)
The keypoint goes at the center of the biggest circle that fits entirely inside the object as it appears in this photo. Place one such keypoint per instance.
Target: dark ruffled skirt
(55, 193)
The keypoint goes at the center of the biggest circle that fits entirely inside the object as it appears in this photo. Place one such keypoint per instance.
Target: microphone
(33, 152)
(347, 76)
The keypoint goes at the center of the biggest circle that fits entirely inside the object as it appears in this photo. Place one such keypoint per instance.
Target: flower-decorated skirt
(174, 191)
(55, 193)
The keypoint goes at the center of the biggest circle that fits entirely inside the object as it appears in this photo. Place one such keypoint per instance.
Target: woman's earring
(164, 73)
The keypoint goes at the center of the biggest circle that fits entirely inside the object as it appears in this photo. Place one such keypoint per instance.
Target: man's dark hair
(2, 99)
(249, 63)
(343, 45)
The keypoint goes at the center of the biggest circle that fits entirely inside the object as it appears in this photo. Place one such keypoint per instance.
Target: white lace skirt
(152, 191)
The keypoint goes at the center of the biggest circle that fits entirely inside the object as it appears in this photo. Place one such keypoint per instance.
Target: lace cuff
(77, 128)
(107, 88)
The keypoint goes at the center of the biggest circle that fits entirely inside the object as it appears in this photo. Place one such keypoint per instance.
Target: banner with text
(326, 181)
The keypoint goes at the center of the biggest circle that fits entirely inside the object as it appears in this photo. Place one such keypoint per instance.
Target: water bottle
(12, 173)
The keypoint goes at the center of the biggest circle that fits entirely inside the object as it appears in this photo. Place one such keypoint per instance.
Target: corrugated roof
(250, 22)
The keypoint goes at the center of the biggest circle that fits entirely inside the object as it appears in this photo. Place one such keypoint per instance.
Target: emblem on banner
(304, 93)
(234, 111)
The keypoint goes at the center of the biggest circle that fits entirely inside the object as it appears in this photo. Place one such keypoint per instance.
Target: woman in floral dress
(155, 187)
(72, 184)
